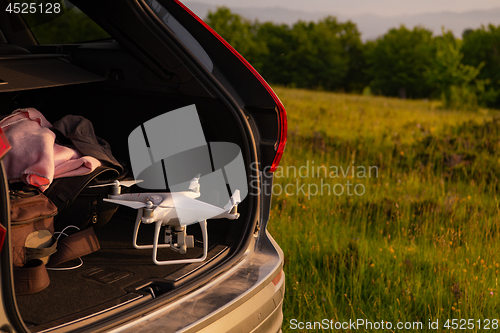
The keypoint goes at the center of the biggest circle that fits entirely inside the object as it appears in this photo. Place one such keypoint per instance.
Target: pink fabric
(35, 158)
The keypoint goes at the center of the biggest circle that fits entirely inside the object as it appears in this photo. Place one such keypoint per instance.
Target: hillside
(387, 210)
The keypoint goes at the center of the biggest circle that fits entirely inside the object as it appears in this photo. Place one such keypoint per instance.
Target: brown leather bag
(32, 224)
(32, 229)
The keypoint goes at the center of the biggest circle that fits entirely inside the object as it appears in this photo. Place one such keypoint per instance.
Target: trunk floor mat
(103, 276)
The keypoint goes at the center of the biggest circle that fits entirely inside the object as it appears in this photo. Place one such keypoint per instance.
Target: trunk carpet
(118, 266)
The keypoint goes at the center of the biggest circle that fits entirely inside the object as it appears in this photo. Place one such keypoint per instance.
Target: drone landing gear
(175, 238)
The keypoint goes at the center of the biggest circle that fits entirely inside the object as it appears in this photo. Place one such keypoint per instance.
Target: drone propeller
(126, 183)
(188, 211)
(140, 204)
(136, 204)
(131, 204)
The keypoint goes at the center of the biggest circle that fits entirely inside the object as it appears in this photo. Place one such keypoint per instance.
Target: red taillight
(281, 109)
(282, 140)
(4, 144)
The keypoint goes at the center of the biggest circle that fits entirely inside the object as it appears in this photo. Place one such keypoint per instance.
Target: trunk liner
(104, 275)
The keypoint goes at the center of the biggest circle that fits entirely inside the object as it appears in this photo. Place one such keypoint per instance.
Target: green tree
(317, 57)
(308, 54)
(483, 46)
(239, 32)
(353, 49)
(275, 61)
(456, 82)
(397, 62)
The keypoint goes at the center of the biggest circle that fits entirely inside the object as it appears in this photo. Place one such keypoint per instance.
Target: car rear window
(58, 22)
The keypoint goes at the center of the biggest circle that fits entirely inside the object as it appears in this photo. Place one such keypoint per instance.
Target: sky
(360, 7)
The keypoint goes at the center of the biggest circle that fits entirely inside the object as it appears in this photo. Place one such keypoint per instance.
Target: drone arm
(227, 215)
(136, 232)
(233, 201)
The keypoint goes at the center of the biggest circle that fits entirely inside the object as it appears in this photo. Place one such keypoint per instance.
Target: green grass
(421, 242)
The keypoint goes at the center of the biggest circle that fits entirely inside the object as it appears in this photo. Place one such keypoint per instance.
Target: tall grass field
(388, 211)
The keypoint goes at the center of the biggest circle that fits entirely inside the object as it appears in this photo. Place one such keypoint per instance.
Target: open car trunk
(117, 93)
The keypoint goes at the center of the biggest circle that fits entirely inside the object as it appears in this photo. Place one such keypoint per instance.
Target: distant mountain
(370, 26)
(373, 26)
(273, 14)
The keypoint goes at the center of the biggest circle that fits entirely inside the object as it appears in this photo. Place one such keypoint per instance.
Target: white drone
(175, 210)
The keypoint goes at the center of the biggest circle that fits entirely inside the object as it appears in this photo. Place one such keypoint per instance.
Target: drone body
(175, 210)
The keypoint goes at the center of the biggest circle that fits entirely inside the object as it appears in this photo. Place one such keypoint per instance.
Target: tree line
(410, 63)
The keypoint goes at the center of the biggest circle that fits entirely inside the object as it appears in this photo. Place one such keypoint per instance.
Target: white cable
(62, 232)
(66, 268)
